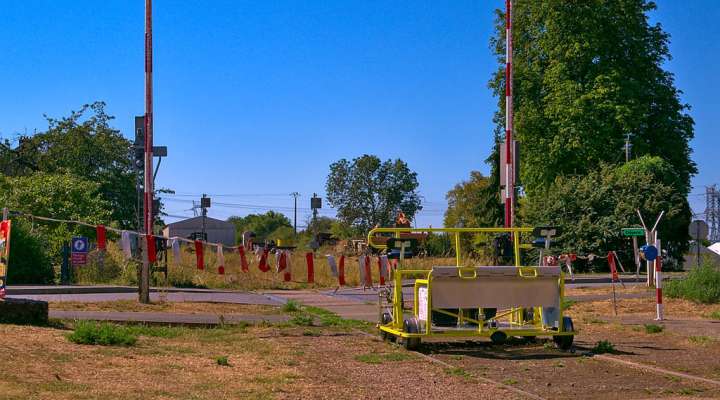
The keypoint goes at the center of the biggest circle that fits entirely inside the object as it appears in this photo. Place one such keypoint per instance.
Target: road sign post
(78, 250)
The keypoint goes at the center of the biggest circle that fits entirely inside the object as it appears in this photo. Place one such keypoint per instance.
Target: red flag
(151, 254)
(380, 270)
(263, 266)
(341, 271)
(368, 272)
(100, 230)
(199, 254)
(287, 276)
(310, 267)
(243, 260)
(613, 268)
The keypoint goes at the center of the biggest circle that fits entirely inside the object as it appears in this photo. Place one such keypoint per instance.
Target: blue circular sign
(79, 245)
(650, 252)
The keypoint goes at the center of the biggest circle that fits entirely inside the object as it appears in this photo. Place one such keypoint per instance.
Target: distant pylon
(712, 212)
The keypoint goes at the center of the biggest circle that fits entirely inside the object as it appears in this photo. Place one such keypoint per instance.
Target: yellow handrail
(456, 233)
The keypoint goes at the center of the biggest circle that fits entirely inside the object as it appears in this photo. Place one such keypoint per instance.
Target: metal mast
(509, 146)
(144, 291)
(712, 212)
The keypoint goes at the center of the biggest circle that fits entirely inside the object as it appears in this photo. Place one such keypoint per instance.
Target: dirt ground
(299, 362)
(264, 363)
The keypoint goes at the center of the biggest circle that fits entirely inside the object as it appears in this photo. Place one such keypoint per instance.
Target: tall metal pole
(295, 196)
(144, 291)
(509, 146)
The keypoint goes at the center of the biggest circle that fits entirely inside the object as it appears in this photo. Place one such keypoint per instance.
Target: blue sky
(255, 99)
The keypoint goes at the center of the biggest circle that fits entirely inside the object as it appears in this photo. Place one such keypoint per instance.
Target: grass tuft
(302, 320)
(652, 328)
(102, 333)
(222, 361)
(291, 306)
(715, 314)
(702, 285)
(700, 340)
(603, 346)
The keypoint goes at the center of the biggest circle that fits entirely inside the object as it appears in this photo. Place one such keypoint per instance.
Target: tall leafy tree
(85, 145)
(586, 74)
(262, 224)
(367, 191)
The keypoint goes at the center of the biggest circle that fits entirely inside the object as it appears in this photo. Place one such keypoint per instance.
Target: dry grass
(184, 273)
(172, 307)
(262, 363)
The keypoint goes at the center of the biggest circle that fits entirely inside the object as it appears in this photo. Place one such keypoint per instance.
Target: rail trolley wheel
(386, 319)
(565, 342)
(498, 337)
(411, 325)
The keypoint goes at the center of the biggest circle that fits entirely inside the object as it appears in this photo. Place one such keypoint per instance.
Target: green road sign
(633, 232)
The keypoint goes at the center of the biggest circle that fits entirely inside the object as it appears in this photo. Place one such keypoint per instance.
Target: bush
(652, 328)
(603, 346)
(291, 306)
(702, 285)
(29, 262)
(102, 333)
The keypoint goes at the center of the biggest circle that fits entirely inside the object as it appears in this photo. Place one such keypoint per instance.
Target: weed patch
(222, 361)
(652, 328)
(700, 340)
(375, 358)
(702, 285)
(291, 306)
(302, 320)
(102, 333)
(603, 346)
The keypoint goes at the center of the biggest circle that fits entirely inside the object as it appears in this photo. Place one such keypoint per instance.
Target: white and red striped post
(658, 282)
(509, 148)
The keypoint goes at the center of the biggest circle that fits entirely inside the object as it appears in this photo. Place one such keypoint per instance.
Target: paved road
(185, 296)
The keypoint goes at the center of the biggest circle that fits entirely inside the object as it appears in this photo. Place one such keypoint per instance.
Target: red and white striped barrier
(658, 283)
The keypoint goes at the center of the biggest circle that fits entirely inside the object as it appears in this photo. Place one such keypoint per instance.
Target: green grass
(457, 371)
(510, 381)
(302, 320)
(715, 314)
(567, 303)
(702, 285)
(291, 306)
(603, 346)
(652, 328)
(375, 358)
(102, 333)
(222, 361)
(329, 318)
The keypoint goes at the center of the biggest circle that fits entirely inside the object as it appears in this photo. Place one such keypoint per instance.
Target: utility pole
(295, 196)
(712, 212)
(628, 146)
(144, 284)
(204, 205)
(509, 145)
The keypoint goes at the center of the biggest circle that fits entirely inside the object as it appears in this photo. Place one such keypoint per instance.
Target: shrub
(603, 346)
(302, 320)
(102, 333)
(291, 306)
(222, 361)
(702, 285)
(652, 328)
(29, 262)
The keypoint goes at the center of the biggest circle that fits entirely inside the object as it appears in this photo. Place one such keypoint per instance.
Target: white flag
(332, 264)
(175, 245)
(125, 244)
(220, 256)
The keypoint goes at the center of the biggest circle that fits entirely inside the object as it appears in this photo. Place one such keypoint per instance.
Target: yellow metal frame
(423, 278)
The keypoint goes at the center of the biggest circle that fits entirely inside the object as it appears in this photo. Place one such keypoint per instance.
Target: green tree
(469, 204)
(592, 209)
(85, 145)
(367, 191)
(29, 261)
(62, 196)
(586, 74)
(262, 224)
